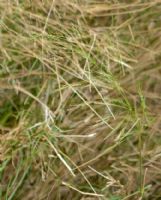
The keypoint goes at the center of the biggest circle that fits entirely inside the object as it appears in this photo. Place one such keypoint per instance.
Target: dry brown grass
(80, 100)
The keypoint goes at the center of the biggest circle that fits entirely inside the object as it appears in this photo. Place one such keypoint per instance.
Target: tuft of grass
(80, 100)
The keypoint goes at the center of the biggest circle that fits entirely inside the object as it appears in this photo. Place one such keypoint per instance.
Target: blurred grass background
(80, 85)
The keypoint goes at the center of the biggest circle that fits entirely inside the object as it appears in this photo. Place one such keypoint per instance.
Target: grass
(80, 100)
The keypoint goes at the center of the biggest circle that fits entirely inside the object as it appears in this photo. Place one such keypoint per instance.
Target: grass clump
(80, 100)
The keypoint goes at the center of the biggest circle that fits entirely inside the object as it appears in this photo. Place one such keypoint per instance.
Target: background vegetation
(80, 99)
